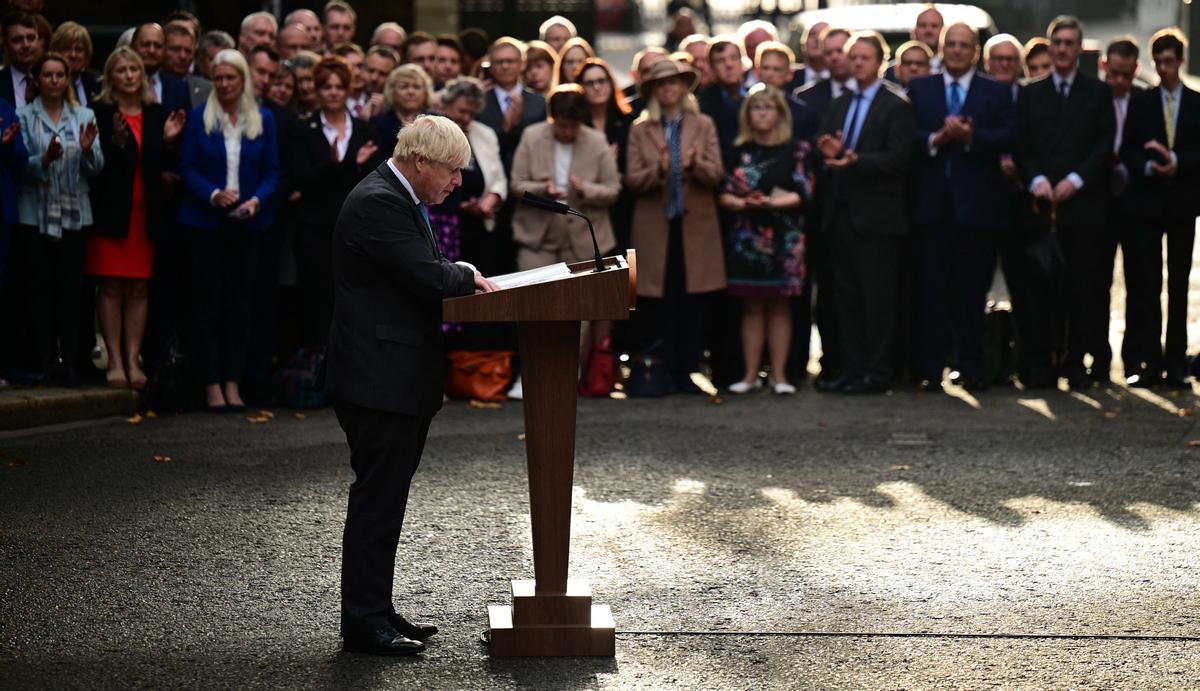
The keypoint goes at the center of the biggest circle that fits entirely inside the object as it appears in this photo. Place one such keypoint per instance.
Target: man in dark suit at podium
(384, 365)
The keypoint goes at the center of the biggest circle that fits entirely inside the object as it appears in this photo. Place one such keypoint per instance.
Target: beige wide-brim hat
(665, 69)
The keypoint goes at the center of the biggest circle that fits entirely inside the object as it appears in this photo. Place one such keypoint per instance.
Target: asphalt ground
(1015, 539)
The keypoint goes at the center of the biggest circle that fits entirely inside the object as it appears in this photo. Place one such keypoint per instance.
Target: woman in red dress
(127, 202)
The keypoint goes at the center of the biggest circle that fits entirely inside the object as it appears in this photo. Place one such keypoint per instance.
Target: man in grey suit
(866, 140)
(384, 364)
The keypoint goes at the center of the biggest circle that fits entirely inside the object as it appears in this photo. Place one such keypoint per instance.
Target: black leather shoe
(865, 385)
(930, 385)
(418, 631)
(973, 385)
(831, 384)
(1176, 380)
(382, 641)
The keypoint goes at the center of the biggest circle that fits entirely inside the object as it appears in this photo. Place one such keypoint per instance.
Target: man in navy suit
(1064, 149)
(1161, 149)
(22, 48)
(965, 121)
(510, 106)
(149, 41)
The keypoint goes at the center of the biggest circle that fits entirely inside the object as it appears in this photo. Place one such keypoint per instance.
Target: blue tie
(956, 99)
(425, 214)
(855, 116)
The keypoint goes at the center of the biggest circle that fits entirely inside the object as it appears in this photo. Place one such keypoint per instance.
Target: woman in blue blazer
(230, 166)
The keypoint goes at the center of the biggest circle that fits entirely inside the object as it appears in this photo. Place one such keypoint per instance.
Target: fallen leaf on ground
(715, 399)
(482, 405)
(162, 459)
(150, 415)
(1194, 442)
(1110, 414)
(135, 420)
(901, 467)
(266, 413)
(1184, 412)
(257, 419)
(299, 416)
(17, 463)
(521, 436)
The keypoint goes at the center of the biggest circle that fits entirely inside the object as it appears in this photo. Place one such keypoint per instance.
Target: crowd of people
(181, 203)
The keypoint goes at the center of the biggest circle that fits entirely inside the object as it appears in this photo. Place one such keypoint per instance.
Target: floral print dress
(765, 247)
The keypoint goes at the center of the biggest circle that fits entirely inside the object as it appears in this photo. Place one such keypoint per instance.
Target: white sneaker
(743, 387)
(516, 393)
(783, 389)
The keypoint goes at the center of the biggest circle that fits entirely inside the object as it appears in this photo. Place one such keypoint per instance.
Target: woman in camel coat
(673, 165)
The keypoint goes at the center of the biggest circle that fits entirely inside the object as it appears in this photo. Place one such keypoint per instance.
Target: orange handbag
(481, 375)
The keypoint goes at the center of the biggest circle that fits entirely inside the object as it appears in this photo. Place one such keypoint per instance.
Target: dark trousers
(223, 266)
(825, 314)
(802, 323)
(264, 314)
(955, 275)
(1088, 251)
(55, 275)
(865, 271)
(679, 315)
(385, 449)
(1142, 253)
(314, 278)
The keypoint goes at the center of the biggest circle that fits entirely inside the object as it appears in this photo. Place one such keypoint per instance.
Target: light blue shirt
(852, 130)
(34, 120)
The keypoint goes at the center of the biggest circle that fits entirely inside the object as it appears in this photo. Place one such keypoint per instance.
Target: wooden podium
(551, 615)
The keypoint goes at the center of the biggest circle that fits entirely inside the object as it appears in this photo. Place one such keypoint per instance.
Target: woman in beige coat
(673, 164)
(565, 160)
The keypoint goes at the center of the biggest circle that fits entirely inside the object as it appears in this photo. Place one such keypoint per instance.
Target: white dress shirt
(562, 164)
(404, 181)
(964, 83)
(233, 154)
(156, 82)
(331, 135)
(839, 87)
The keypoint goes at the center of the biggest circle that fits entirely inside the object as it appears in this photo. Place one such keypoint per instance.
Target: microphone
(557, 207)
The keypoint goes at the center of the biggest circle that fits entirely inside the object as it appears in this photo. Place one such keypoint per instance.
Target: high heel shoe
(782, 388)
(137, 379)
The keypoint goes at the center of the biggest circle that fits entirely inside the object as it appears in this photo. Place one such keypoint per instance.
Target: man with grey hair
(384, 364)
(293, 38)
(312, 23)
(258, 28)
(390, 34)
(210, 44)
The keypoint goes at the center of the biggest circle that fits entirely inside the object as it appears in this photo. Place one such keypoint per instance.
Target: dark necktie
(425, 215)
(1062, 89)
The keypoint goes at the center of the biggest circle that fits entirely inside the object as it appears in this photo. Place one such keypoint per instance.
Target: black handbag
(648, 376)
(173, 386)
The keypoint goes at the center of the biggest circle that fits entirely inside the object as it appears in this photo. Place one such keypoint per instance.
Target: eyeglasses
(1003, 58)
(914, 63)
(595, 83)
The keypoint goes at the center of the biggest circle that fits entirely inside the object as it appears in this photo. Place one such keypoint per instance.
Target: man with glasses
(510, 107)
(1066, 127)
(912, 62)
(1161, 148)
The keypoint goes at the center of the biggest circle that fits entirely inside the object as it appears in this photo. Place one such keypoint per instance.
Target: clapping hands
(173, 127)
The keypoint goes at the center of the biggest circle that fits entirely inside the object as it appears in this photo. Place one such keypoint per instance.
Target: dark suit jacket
(1057, 137)
(385, 343)
(873, 188)
(818, 96)
(176, 95)
(725, 116)
(286, 124)
(112, 189)
(971, 176)
(322, 182)
(13, 159)
(6, 86)
(533, 110)
(1155, 198)
(805, 121)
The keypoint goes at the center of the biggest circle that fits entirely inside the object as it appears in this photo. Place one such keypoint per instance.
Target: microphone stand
(558, 207)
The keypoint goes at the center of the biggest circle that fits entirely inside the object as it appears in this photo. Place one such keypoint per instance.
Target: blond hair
(653, 111)
(764, 92)
(68, 34)
(110, 65)
(434, 138)
(407, 72)
(248, 114)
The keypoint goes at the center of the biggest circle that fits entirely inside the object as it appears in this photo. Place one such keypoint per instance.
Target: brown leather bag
(481, 375)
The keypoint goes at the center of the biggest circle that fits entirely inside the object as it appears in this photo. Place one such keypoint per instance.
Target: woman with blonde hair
(73, 42)
(128, 208)
(673, 164)
(572, 55)
(230, 166)
(408, 93)
(762, 199)
(54, 210)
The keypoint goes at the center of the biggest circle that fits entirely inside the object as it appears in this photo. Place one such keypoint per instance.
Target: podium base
(599, 639)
